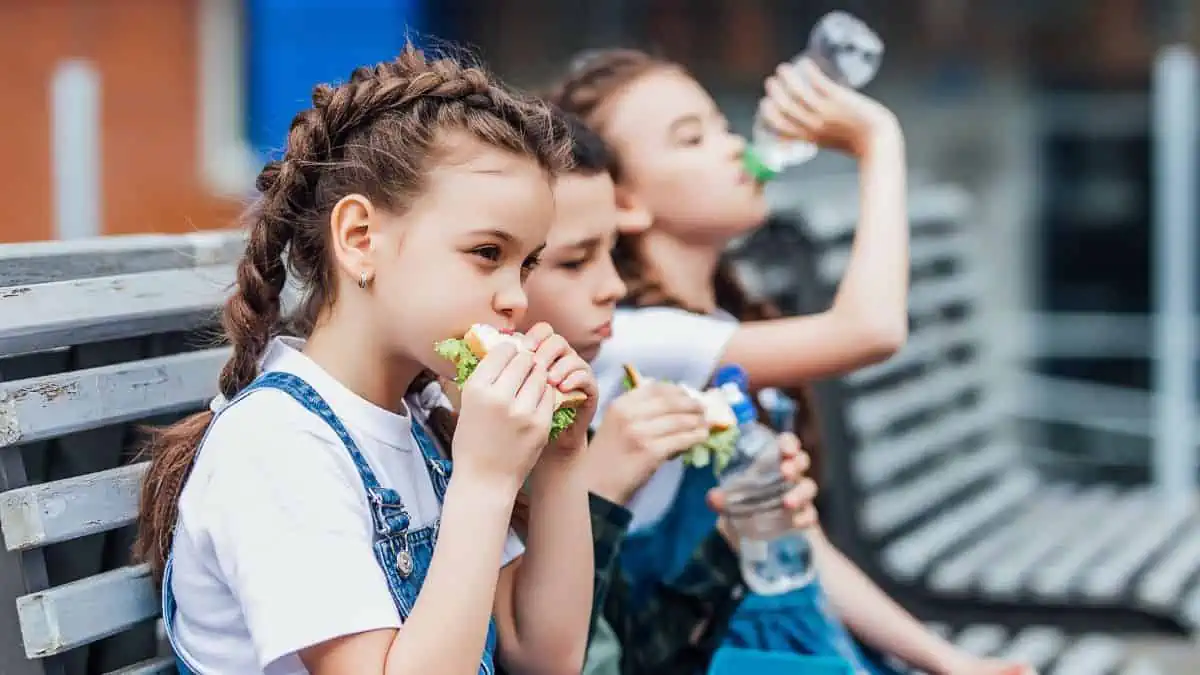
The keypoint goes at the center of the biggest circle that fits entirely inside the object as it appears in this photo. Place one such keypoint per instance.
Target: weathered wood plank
(79, 613)
(39, 515)
(160, 666)
(44, 316)
(50, 261)
(56, 405)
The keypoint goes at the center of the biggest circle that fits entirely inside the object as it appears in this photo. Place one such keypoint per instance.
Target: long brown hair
(375, 135)
(593, 81)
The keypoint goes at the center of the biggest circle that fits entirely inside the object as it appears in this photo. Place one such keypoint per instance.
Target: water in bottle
(849, 53)
(775, 557)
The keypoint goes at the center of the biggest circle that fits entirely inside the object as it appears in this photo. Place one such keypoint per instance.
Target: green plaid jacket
(678, 628)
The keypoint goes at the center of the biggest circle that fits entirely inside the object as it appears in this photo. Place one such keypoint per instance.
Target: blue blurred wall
(293, 44)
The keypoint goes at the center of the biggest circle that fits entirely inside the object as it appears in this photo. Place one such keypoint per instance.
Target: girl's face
(576, 287)
(680, 161)
(461, 254)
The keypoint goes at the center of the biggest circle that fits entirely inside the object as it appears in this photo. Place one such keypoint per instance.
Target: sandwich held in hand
(718, 414)
(466, 352)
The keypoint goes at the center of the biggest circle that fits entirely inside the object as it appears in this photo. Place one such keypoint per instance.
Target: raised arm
(868, 320)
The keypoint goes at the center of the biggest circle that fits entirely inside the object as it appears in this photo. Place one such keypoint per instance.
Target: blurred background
(154, 115)
(1068, 126)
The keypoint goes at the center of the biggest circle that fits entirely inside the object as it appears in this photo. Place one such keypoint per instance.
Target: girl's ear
(633, 216)
(352, 224)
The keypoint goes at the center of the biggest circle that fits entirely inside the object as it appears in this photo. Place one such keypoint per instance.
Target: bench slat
(874, 412)
(956, 573)
(48, 261)
(832, 217)
(910, 555)
(164, 665)
(79, 613)
(924, 251)
(887, 510)
(1007, 573)
(1108, 578)
(1056, 577)
(880, 461)
(45, 316)
(1037, 646)
(55, 405)
(47, 513)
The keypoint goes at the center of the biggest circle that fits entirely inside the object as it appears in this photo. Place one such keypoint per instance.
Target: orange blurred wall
(146, 54)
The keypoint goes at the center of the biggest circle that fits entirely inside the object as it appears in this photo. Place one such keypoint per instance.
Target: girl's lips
(604, 330)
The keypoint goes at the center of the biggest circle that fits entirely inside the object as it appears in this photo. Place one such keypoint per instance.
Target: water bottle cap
(732, 374)
(756, 167)
(735, 383)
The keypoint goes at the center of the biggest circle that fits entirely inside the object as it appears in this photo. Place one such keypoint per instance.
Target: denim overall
(800, 621)
(404, 555)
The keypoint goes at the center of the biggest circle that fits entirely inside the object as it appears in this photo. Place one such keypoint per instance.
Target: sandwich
(466, 352)
(718, 414)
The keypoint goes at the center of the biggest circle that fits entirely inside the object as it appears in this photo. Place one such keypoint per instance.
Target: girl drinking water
(683, 195)
(293, 528)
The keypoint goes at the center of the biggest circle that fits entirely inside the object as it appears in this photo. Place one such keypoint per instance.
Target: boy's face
(576, 288)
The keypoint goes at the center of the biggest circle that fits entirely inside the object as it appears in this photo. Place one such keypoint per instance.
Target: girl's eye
(491, 253)
(691, 139)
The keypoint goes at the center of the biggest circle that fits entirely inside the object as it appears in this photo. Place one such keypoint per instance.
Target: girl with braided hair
(292, 527)
(683, 194)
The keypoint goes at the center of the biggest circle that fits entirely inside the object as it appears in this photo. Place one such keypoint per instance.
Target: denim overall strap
(404, 556)
(439, 466)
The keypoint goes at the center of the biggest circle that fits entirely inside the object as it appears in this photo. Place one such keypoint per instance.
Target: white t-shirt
(669, 344)
(273, 549)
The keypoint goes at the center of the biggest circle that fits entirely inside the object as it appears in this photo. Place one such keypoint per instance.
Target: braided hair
(376, 135)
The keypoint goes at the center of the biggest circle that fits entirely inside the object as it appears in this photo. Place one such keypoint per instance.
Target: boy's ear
(633, 216)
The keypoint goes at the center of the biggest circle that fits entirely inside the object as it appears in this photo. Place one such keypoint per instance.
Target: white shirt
(273, 545)
(669, 344)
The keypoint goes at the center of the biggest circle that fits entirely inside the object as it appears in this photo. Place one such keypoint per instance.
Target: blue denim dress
(800, 621)
(403, 555)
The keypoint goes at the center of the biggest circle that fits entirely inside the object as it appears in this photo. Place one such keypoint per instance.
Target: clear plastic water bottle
(775, 557)
(847, 51)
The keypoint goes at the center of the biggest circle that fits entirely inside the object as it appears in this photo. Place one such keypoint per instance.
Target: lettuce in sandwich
(466, 352)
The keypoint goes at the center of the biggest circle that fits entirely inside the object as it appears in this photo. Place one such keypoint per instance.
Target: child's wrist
(492, 488)
(882, 135)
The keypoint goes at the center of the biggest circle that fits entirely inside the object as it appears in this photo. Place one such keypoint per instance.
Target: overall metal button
(404, 563)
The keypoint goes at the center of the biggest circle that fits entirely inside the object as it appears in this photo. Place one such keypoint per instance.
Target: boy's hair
(593, 80)
(377, 135)
(589, 153)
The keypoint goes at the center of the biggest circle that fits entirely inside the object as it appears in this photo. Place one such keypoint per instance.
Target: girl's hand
(642, 429)
(793, 462)
(803, 103)
(505, 416)
(566, 371)
(976, 666)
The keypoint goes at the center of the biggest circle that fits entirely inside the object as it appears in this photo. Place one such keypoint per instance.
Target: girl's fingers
(495, 363)
(536, 335)
(580, 379)
(667, 447)
(514, 373)
(533, 389)
(801, 496)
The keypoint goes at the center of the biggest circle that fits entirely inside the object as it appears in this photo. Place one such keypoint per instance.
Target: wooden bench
(96, 337)
(926, 483)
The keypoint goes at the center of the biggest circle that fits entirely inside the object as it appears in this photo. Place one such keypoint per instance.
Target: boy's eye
(530, 265)
(576, 263)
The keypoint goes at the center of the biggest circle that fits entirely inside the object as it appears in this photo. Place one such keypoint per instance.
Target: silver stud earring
(363, 280)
